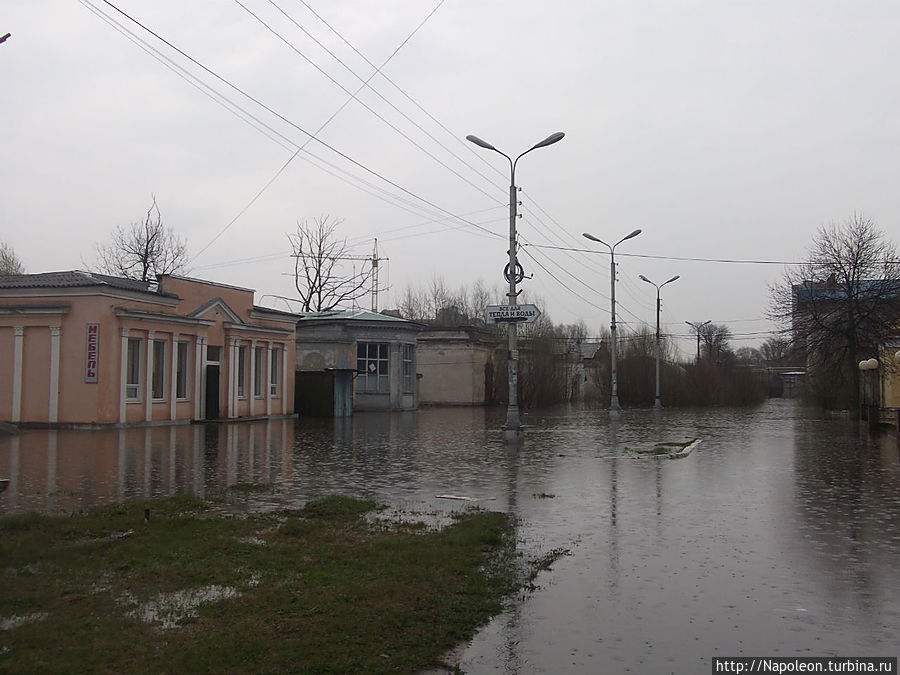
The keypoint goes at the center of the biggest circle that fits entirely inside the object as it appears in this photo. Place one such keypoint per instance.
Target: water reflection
(61, 472)
(779, 535)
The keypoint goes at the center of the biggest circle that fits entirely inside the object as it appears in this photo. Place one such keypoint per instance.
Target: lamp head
(588, 235)
(675, 278)
(643, 278)
(479, 142)
(550, 140)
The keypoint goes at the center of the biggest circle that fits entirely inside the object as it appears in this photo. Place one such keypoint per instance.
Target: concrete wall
(453, 363)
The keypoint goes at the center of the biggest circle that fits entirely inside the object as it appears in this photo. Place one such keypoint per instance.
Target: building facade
(356, 360)
(78, 348)
(459, 365)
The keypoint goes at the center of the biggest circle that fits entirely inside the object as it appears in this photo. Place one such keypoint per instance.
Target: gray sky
(724, 129)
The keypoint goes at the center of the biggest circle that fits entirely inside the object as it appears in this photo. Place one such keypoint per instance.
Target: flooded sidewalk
(778, 534)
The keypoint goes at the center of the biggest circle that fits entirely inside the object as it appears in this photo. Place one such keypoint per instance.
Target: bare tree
(776, 350)
(10, 263)
(438, 304)
(716, 340)
(320, 262)
(839, 305)
(144, 249)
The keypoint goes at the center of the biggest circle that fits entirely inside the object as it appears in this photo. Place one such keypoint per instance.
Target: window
(259, 372)
(409, 368)
(158, 380)
(182, 368)
(275, 373)
(133, 370)
(212, 353)
(372, 367)
(242, 371)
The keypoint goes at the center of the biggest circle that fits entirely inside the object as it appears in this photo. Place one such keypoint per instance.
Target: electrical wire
(353, 95)
(667, 257)
(379, 71)
(289, 122)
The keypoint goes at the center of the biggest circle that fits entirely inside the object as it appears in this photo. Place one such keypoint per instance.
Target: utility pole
(614, 407)
(697, 327)
(658, 403)
(514, 274)
(373, 260)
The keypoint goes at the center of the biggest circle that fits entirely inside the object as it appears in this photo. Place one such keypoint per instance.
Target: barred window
(373, 367)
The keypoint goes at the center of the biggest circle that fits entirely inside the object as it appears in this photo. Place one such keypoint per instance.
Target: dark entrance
(314, 394)
(212, 392)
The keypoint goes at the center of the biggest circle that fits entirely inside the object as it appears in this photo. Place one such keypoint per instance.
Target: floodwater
(779, 535)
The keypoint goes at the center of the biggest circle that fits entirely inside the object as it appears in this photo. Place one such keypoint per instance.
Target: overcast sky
(725, 130)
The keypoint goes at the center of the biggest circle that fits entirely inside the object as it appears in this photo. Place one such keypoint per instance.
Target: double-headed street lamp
(658, 403)
(513, 428)
(697, 327)
(614, 398)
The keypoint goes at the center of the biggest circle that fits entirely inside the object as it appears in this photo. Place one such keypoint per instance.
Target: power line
(353, 95)
(288, 121)
(457, 138)
(379, 71)
(665, 257)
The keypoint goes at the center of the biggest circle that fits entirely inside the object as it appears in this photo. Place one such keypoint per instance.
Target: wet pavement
(778, 536)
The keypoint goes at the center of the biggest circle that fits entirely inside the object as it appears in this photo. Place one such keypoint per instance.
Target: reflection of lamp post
(614, 397)
(697, 327)
(513, 428)
(658, 403)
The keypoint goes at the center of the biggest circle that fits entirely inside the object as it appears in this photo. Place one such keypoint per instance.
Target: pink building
(78, 348)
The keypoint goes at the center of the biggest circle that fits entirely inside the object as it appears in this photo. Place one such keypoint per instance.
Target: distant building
(350, 360)
(820, 308)
(78, 348)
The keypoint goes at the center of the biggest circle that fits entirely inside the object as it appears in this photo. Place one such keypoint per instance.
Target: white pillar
(18, 349)
(199, 354)
(173, 372)
(149, 377)
(250, 393)
(269, 378)
(123, 376)
(284, 366)
(53, 408)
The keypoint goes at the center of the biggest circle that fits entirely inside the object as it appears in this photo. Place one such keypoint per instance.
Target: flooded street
(778, 535)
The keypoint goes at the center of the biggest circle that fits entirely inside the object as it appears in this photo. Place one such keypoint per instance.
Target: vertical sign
(92, 353)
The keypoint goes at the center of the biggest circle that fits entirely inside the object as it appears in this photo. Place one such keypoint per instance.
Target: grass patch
(185, 591)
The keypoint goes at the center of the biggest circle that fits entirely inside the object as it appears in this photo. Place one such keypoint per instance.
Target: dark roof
(352, 315)
(76, 279)
(821, 291)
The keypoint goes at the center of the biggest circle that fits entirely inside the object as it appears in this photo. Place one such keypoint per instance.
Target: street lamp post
(697, 327)
(513, 428)
(614, 397)
(658, 403)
